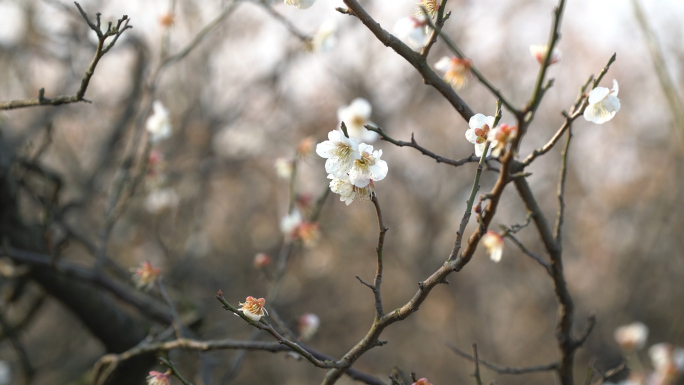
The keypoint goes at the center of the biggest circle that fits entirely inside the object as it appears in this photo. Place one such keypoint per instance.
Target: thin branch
(423, 150)
(504, 369)
(438, 25)
(285, 22)
(177, 324)
(121, 26)
(561, 190)
(476, 363)
(529, 253)
(175, 371)
(378, 273)
(414, 58)
(262, 325)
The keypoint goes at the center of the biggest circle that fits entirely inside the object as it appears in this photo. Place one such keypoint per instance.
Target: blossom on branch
(340, 151)
(284, 168)
(355, 116)
(422, 381)
(603, 104)
(412, 31)
(631, 337)
(145, 276)
(494, 244)
(308, 326)
(254, 308)
(159, 124)
(668, 362)
(539, 53)
(480, 126)
(456, 70)
(301, 4)
(347, 191)
(261, 260)
(158, 378)
(500, 137)
(294, 227)
(368, 167)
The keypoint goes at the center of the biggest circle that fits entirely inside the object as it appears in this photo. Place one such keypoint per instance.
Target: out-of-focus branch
(116, 31)
(437, 28)
(423, 150)
(476, 364)
(667, 84)
(529, 253)
(284, 21)
(414, 58)
(174, 371)
(504, 369)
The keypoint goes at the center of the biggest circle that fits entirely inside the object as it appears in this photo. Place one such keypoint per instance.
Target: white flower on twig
(347, 191)
(159, 124)
(494, 244)
(254, 308)
(478, 132)
(340, 152)
(603, 104)
(456, 70)
(369, 167)
(355, 116)
(631, 337)
(539, 53)
(500, 137)
(308, 326)
(412, 31)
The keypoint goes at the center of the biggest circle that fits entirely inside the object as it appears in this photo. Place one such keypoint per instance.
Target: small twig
(504, 369)
(378, 273)
(414, 144)
(177, 324)
(562, 175)
(529, 253)
(174, 371)
(286, 23)
(438, 25)
(591, 322)
(476, 363)
(121, 26)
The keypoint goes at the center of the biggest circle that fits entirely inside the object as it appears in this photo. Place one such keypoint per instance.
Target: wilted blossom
(422, 381)
(284, 167)
(631, 337)
(340, 151)
(412, 31)
(301, 4)
(355, 116)
(368, 167)
(603, 104)
(347, 191)
(158, 378)
(668, 362)
(261, 260)
(325, 37)
(145, 276)
(539, 53)
(254, 308)
(500, 137)
(308, 326)
(480, 126)
(494, 244)
(159, 124)
(456, 70)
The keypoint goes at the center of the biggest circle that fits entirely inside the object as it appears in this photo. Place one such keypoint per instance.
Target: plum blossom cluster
(667, 360)
(353, 167)
(482, 130)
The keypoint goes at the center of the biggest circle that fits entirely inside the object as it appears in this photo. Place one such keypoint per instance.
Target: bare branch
(504, 369)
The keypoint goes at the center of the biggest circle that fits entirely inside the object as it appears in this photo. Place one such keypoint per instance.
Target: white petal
(598, 94)
(479, 148)
(615, 89)
(301, 4)
(361, 107)
(325, 149)
(443, 64)
(471, 136)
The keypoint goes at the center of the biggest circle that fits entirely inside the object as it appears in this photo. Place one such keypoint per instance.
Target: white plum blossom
(478, 132)
(539, 53)
(301, 4)
(291, 222)
(412, 31)
(254, 308)
(284, 168)
(603, 104)
(159, 124)
(456, 70)
(325, 37)
(347, 191)
(161, 199)
(494, 244)
(369, 167)
(632, 336)
(308, 326)
(340, 151)
(355, 116)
